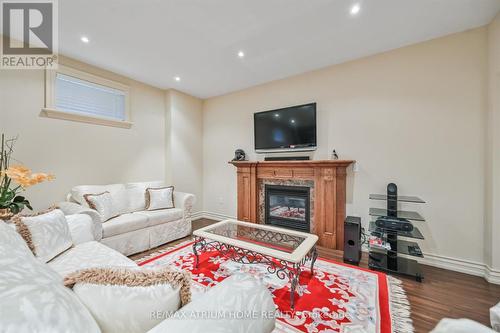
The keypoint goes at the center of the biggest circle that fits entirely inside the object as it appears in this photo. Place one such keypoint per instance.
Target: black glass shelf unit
(400, 213)
(400, 198)
(388, 260)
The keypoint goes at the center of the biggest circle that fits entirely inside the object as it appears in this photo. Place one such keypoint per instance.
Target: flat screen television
(287, 129)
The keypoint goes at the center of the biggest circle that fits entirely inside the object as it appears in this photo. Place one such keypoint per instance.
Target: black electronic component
(352, 240)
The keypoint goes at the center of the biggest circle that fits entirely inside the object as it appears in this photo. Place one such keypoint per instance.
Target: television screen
(288, 128)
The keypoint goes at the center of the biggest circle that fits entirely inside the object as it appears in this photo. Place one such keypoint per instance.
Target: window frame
(50, 110)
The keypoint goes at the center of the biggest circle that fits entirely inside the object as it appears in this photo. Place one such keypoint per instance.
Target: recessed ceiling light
(241, 54)
(355, 9)
(292, 121)
(277, 115)
(85, 39)
(177, 78)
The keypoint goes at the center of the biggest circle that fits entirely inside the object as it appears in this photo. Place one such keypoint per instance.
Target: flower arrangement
(14, 180)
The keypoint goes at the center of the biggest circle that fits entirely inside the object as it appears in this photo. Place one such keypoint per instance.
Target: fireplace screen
(287, 206)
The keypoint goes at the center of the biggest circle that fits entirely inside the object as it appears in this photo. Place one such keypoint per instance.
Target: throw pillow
(160, 198)
(46, 233)
(103, 204)
(145, 297)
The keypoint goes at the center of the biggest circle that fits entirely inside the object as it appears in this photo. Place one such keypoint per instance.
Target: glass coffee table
(284, 251)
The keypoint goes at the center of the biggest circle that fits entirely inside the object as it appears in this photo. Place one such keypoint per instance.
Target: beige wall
(415, 116)
(492, 232)
(184, 147)
(79, 153)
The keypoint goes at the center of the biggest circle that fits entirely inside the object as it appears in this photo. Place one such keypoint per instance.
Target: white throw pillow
(144, 297)
(160, 198)
(46, 233)
(103, 204)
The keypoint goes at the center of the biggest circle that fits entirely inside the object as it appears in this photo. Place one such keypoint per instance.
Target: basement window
(78, 96)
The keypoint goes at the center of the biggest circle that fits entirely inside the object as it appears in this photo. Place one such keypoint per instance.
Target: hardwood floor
(442, 294)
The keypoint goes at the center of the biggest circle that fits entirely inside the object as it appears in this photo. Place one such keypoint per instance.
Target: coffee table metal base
(281, 268)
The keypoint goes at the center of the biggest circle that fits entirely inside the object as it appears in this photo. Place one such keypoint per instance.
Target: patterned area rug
(338, 298)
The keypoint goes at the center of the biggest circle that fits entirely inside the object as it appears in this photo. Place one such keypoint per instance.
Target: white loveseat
(34, 299)
(135, 229)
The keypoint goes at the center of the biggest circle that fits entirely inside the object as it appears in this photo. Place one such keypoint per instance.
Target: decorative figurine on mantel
(335, 156)
(14, 180)
(239, 155)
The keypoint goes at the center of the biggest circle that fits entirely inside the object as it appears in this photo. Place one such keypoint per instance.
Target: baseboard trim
(492, 275)
(453, 264)
(211, 215)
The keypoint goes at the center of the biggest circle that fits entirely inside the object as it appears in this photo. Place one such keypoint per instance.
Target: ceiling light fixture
(177, 78)
(355, 9)
(241, 54)
(85, 39)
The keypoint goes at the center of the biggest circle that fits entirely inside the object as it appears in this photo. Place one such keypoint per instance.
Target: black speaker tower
(352, 240)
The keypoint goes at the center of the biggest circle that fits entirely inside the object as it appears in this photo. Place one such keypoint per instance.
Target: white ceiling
(155, 40)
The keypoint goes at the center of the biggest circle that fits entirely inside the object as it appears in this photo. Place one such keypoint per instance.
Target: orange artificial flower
(23, 176)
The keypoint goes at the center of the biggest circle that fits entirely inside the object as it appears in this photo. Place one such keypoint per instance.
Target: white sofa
(135, 229)
(34, 299)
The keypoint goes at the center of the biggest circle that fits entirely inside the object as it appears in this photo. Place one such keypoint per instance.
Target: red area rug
(338, 298)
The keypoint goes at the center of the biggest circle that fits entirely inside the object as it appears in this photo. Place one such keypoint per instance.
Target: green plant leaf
(14, 208)
(19, 199)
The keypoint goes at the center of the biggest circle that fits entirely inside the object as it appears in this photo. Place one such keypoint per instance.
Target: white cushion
(81, 228)
(161, 216)
(88, 255)
(136, 305)
(124, 223)
(160, 198)
(495, 317)
(447, 325)
(137, 194)
(120, 201)
(103, 204)
(125, 300)
(78, 192)
(240, 293)
(32, 296)
(48, 233)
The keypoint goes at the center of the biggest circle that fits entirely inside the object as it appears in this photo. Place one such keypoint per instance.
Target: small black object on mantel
(239, 155)
(335, 156)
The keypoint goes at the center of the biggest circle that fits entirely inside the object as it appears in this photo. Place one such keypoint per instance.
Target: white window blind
(83, 97)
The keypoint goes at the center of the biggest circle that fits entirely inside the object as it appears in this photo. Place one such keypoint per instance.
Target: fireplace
(288, 206)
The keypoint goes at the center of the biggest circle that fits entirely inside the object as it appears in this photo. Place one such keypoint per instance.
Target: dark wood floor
(442, 294)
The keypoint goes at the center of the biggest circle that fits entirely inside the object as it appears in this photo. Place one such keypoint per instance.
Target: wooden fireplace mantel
(329, 178)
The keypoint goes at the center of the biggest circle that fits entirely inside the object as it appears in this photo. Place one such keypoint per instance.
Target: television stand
(386, 258)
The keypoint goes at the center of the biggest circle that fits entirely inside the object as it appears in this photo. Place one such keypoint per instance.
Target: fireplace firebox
(288, 206)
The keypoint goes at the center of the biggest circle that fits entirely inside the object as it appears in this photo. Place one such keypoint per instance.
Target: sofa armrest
(448, 325)
(71, 208)
(239, 304)
(184, 201)
(81, 228)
